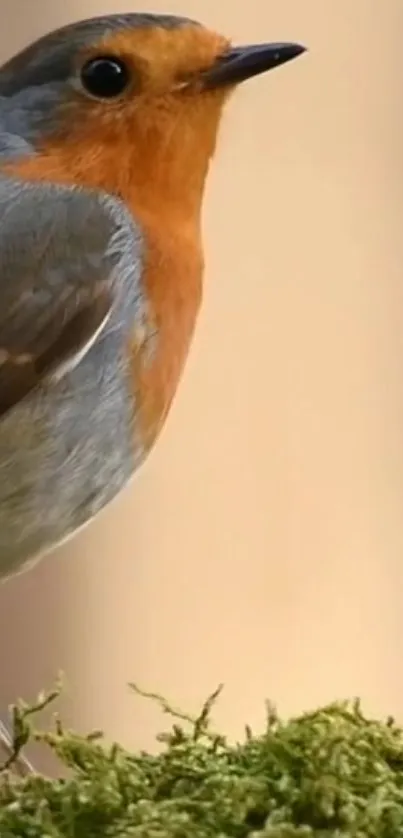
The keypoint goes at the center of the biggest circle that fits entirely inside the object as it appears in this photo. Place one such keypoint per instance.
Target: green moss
(329, 774)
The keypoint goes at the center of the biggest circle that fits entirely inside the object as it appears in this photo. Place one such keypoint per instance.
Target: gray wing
(58, 256)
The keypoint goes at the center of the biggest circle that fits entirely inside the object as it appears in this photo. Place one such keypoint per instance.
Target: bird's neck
(173, 185)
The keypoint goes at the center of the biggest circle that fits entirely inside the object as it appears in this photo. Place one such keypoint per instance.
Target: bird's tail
(18, 764)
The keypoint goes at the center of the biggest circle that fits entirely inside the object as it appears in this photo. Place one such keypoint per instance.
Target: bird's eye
(105, 77)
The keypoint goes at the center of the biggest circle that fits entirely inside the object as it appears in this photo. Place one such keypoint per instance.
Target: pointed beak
(241, 63)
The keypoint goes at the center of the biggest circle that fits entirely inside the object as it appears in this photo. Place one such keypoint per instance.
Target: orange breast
(173, 281)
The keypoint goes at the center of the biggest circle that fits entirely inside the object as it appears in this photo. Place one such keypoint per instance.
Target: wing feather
(56, 276)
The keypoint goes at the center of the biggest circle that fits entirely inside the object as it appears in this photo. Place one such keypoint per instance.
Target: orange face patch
(161, 58)
(161, 112)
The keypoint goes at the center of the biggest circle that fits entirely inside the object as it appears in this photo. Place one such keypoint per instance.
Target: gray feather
(72, 442)
(58, 262)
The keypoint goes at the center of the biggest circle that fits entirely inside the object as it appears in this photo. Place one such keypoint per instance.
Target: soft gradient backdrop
(262, 545)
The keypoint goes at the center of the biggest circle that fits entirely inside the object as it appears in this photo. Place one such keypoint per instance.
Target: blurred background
(262, 544)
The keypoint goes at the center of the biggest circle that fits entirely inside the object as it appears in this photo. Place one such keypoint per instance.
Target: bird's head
(129, 103)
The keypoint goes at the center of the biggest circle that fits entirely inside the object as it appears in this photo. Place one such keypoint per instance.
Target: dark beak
(241, 63)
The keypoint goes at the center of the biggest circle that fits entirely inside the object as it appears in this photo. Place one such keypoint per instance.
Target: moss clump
(328, 774)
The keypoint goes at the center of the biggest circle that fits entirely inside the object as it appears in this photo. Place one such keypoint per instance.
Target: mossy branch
(22, 728)
(332, 773)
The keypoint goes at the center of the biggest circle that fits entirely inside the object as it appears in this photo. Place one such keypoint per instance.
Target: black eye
(105, 77)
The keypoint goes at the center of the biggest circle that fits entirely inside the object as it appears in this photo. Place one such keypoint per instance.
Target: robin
(107, 129)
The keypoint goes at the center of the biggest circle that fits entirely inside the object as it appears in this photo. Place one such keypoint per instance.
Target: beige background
(262, 544)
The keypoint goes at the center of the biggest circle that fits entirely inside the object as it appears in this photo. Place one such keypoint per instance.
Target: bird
(107, 130)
